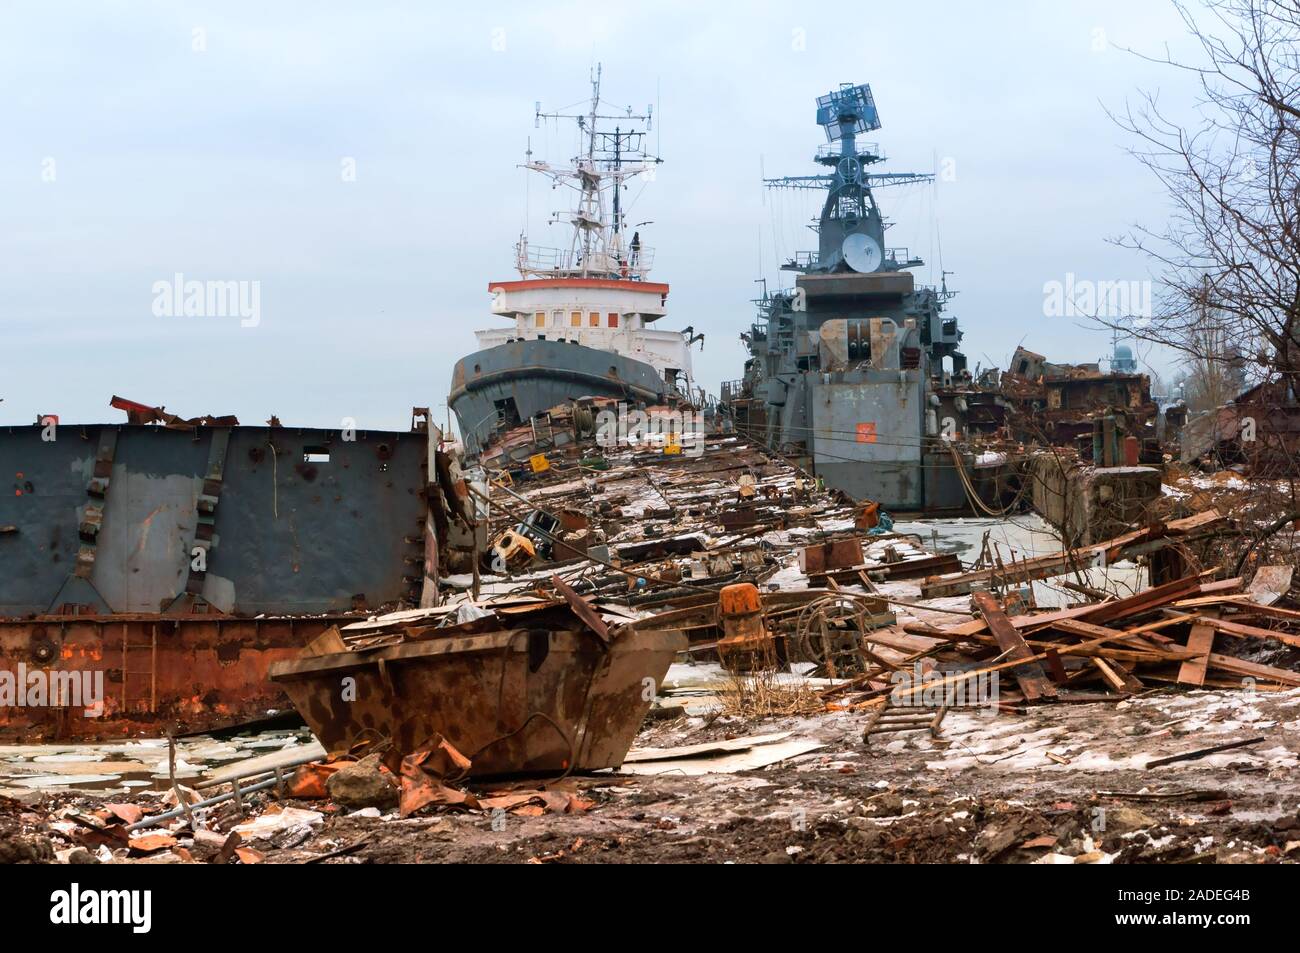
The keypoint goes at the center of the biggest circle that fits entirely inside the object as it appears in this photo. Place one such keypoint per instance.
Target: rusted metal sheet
(514, 701)
(191, 672)
(837, 554)
(582, 609)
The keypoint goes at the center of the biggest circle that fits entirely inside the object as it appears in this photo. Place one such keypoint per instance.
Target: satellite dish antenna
(861, 253)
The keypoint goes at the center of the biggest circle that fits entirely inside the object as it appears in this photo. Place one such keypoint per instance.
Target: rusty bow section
(526, 689)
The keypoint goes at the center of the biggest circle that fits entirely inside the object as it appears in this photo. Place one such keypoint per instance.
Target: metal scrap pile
(647, 528)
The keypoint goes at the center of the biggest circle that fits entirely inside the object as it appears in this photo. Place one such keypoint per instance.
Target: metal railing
(832, 150)
(532, 260)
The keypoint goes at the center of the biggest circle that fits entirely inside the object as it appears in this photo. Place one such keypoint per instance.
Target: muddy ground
(1060, 784)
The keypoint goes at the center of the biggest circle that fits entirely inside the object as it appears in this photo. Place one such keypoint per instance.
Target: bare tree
(1228, 259)
(1213, 368)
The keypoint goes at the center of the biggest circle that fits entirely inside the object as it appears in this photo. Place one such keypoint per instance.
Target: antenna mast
(597, 175)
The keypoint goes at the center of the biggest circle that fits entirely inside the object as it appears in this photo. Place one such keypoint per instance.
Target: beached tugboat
(579, 317)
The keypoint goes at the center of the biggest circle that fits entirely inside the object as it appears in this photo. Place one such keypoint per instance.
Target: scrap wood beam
(1201, 640)
(1248, 607)
(1266, 673)
(1031, 678)
(1081, 649)
(1144, 601)
(1118, 677)
(1253, 632)
(1096, 613)
(1137, 651)
(1130, 639)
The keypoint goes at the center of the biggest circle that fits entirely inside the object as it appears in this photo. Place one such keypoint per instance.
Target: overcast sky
(141, 140)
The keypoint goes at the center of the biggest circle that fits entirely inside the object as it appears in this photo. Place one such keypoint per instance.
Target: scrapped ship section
(581, 318)
(846, 369)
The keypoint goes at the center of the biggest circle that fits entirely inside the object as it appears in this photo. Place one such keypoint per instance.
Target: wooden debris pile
(1187, 632)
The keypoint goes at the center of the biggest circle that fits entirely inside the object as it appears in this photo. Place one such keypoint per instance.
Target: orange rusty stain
(144, 528)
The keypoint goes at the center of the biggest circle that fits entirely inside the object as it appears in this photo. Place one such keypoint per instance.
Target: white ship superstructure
(594, 297)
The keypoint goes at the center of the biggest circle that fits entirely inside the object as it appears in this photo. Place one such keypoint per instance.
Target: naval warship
(855, 373)
(580, 318)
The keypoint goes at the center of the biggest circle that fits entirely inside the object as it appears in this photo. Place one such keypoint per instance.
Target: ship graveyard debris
(824, 702)
(1023, 615)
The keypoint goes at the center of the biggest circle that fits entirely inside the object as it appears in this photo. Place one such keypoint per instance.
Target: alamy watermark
(673, 431)
(179, 298)
(937, 690)
(133, 908)
(1083, 298)
(40, 688)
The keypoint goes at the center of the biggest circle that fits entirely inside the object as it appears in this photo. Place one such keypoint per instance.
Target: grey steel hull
(513, 382)
(130, 518)
(863, 432)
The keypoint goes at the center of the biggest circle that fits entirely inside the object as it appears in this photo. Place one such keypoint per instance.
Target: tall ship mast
(855, 373)
(580, 317)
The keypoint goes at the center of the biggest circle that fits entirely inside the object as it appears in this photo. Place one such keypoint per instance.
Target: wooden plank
(1097, 613)
(1031, 678)
(1253, 632)
(1082, 648)
(1116, 677)
(1123, 637)
(1144, 601)
(1055, 667)
(1248, 607)
(1267, 673)
(1162, 624)
(1198, 601)
(1201, 641)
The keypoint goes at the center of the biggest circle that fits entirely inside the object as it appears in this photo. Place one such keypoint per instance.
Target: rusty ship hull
(181, 561)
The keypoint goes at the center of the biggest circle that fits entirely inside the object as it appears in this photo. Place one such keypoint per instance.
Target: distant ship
(581, 316)
(855, 374)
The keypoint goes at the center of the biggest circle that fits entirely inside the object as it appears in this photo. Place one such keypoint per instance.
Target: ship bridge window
(613, 319)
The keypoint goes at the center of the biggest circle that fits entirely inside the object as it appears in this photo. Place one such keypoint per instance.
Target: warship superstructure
(580, 317)
(855, 372)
